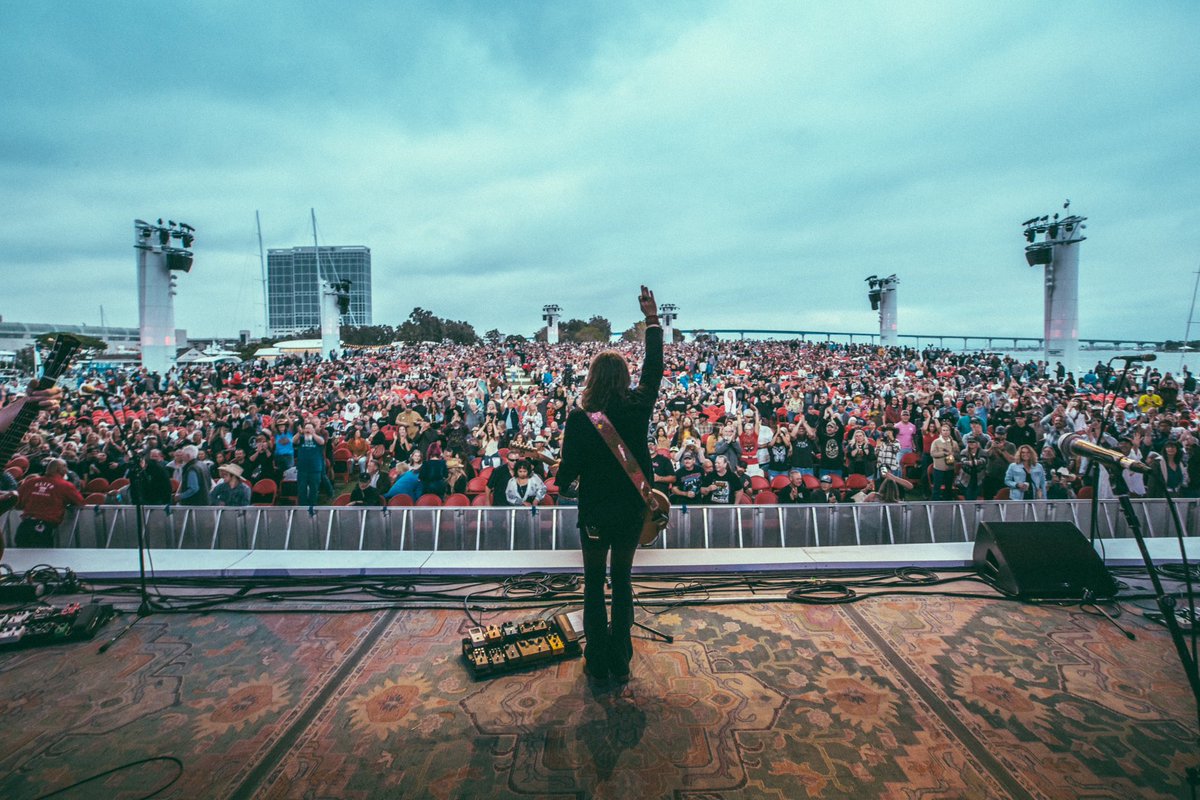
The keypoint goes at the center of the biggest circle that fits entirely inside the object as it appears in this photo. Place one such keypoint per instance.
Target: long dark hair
(607, 381)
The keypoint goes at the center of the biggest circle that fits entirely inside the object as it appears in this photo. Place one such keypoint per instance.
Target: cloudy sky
(753, 162)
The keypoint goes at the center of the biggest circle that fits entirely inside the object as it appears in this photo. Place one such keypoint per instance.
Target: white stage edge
(123, 563)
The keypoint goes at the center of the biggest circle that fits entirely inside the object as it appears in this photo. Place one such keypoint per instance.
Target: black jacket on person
(607, 498)
(498, 484)
(155, 484)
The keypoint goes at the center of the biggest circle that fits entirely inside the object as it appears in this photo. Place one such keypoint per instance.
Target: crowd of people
(802, 421)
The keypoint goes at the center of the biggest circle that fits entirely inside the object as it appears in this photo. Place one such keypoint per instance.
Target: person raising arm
(611, 508)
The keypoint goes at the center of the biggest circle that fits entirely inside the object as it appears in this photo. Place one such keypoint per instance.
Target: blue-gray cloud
(753, 161)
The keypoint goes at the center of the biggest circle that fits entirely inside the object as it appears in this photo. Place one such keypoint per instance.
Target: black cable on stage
(467, 611)
(131, 764)
(823, 593)
(353, 594)
(1179, 572)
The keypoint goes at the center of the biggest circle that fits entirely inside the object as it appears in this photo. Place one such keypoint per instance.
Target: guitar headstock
(62, 350)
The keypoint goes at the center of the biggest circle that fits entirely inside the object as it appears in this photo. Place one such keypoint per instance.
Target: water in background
(1166, 362)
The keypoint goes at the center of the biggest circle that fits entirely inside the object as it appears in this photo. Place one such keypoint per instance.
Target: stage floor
(918, 696)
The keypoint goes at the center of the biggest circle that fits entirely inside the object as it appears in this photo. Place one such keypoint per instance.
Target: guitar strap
(613, 439)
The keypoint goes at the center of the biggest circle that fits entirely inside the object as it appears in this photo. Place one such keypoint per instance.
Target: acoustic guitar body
(657, 517)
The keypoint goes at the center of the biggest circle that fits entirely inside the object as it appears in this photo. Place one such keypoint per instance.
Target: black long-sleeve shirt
(607, 498)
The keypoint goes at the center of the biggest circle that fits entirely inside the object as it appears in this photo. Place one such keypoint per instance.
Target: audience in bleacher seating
(733, 417)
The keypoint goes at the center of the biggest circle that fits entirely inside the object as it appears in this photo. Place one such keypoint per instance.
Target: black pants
(34, 533)
(607, 650)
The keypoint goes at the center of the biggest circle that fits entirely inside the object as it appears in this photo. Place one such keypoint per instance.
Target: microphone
(1137, 357)
(1075, 445)
(92, 389)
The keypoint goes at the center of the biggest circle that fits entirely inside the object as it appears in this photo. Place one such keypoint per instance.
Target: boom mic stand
(135, 491)
(1166, 603)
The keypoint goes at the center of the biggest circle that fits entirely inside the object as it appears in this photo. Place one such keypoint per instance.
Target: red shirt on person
(46, 497)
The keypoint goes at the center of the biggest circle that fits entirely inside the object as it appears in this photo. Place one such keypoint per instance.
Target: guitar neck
(10, 440)
(65, 346)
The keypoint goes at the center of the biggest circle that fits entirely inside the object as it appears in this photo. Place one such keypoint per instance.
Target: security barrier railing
(554, 527)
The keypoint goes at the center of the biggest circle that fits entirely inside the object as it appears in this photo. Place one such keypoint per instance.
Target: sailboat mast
(262, 268)
(316, 248)
(1183, 349)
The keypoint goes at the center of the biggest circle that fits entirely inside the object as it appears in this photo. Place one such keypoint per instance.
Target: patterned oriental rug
(891, 697)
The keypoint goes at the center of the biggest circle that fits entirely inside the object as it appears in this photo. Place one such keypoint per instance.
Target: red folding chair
(341, 462)
(856, 482)
(264, 492)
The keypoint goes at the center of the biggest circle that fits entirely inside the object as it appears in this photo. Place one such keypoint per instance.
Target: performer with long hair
(611, 508)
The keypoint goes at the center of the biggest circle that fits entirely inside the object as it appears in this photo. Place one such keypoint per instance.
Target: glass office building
(294, 286)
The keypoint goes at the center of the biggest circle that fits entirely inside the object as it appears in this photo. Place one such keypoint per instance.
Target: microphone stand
(135, 492)
(1093, 465)
(1193, 628)
(1166, 603)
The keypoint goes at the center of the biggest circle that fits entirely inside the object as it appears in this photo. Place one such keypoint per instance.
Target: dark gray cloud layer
(752, 161)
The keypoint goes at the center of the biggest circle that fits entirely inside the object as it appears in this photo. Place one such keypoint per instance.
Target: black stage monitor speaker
(1040, 559)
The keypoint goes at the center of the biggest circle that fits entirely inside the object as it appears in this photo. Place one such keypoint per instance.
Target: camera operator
(1001, 453)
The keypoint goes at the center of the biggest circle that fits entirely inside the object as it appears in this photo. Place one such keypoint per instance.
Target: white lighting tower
(1058, 251)
(158, 259)
(551, 315)
(335, 302)
(667, 312)
(882, 294)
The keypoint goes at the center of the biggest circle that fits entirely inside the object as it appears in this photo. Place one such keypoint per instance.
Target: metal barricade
(555, 527)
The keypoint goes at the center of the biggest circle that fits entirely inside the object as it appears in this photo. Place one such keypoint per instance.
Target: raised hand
(646, 301)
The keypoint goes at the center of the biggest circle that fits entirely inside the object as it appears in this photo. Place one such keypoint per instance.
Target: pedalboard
(47, 625)
(491, 650)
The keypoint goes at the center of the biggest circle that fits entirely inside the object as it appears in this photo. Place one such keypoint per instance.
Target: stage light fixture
(1029, 234)
(164, 236)
(179, 261)
(1052, 231)
(1042, 254)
